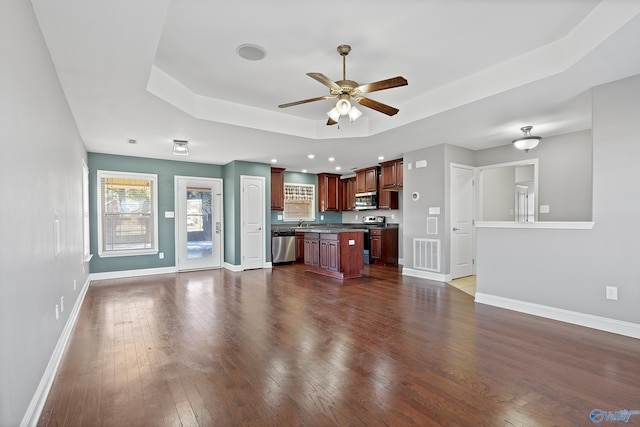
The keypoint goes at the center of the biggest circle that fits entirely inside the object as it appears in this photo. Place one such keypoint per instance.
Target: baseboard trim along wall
(232, 267)
(36, 406)
(132, 273)
(588, 320)
(426, 274)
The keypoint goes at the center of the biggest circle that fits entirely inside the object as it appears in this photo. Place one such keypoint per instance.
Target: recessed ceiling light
(338, 168)
(380, 157)
(331, 159)
(274, 160)
(304, 171)
(251, 52)
(311, 156)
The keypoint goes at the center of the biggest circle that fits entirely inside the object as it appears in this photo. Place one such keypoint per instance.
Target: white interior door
(461, 221)
(253, 214)
(199, 237)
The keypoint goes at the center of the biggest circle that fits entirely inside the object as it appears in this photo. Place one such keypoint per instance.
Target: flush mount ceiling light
(251, 52)
(180, 147)
(527, 141)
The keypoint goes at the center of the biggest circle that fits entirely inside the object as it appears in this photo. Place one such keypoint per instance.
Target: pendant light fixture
(527, 141)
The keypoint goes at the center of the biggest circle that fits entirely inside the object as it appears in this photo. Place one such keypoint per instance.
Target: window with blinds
(128, 212)
(299, 202)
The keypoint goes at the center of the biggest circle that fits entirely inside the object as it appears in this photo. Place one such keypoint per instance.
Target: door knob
(456, 229)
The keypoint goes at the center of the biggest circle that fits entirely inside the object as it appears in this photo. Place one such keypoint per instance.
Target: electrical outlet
(161, 255)
(57, 312)
(321, 217)
(612, 293)
(61, 304)
(544, 208)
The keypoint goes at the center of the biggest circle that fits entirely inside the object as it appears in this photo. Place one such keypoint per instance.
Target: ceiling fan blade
(325, 81)
(304, 101)
(381, 85)
(331, 122)
(378, 106)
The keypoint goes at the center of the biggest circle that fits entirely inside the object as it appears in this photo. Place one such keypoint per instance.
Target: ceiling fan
(348, 90)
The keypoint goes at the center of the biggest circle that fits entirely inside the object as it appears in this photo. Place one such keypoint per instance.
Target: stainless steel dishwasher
(283, 246)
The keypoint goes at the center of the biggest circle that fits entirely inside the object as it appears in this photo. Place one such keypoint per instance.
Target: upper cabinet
(391, 174)
(348, 190)
(328, 192)
(277, 189)
(367, 179)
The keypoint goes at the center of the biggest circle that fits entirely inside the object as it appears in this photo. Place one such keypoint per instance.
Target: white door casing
(185, 258)
(462, 241)
(252, 208)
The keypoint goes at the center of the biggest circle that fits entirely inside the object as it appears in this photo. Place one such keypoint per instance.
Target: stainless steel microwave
(366, 201)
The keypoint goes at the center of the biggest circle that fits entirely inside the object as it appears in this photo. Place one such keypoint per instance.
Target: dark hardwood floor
(285, 347)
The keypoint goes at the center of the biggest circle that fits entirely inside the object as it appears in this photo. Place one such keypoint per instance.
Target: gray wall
(429, 182)
(569, 269)
(565, 164)
(41, 169)
(498, 194)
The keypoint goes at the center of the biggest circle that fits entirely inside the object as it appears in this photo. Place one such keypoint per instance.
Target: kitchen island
(335, 252)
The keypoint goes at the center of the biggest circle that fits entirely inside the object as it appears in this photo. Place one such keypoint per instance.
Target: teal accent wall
(305, 178)
(166, 171)
(232, 199)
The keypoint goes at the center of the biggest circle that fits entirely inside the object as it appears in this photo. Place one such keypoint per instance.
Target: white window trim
(86, 243)
(133, 175)
(313, 204)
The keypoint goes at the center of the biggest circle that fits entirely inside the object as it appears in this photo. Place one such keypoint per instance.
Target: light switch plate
(169, 214)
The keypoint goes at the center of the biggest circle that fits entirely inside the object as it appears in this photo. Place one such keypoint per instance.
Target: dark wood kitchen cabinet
(387, 199)
(367, 179)
(383, 245)
(328, 192)
(299, 246)
(348, 192)
(338, 254)
(312, 249)
(391, 174)
(277, 189)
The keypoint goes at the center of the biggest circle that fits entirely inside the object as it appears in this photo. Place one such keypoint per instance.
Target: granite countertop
(330, 230)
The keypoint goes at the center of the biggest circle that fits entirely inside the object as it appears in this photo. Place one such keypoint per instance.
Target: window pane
(128, 217)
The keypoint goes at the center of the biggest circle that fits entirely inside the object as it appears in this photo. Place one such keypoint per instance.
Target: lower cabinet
(312, 249)
(337, 255)
(383, 245)
(299, 246)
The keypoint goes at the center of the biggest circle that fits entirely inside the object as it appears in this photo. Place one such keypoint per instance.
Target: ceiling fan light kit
(349, 91)
(527, 141)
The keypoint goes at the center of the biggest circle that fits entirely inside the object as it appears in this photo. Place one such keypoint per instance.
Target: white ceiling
(158, 70)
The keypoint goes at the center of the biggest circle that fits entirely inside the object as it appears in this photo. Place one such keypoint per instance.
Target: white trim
(34, 410)
(546, 225)
(232, 267)
(154, 208)
(426, 274)
(588, 320)
(133, 273)
(268, 265)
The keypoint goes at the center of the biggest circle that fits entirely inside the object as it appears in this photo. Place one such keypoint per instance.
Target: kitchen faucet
(300, 222)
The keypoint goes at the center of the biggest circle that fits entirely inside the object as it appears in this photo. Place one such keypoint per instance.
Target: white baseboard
(588, 320)
(268, 265)
(133, 273)
(426, 274)
(36, 405)
(232, 267)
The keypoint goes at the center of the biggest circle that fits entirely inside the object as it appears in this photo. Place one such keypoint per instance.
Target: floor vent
(426, 254)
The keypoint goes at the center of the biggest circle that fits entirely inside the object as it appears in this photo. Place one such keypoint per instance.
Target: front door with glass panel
(198, 223)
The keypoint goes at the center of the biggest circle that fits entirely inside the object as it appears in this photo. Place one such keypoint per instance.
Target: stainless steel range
(374, 220)
(370, 221)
